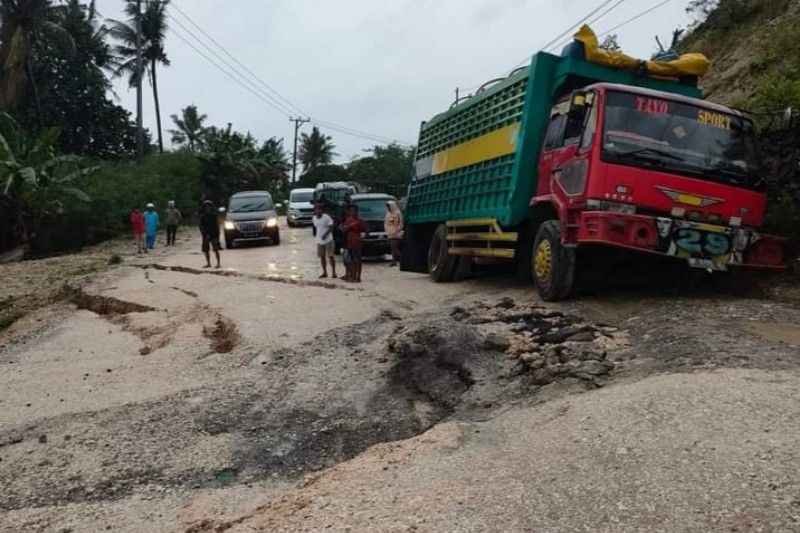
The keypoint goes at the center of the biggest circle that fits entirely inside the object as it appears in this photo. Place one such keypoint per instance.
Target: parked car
(372, 209)
(301, 207)
(251, 216)
(334, 196)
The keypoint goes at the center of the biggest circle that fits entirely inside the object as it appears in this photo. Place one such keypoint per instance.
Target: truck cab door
(560, 146)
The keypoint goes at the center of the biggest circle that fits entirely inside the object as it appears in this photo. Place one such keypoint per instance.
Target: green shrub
(115, 189)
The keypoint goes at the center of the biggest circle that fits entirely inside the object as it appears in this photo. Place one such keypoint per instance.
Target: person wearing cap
(151, 225)
(173, 219)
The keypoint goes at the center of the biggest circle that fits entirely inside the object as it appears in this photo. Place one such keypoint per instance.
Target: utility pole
(139, 127)
(298, 121)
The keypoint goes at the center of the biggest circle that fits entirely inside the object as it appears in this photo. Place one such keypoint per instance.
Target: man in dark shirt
(209, 229)
(354, 228)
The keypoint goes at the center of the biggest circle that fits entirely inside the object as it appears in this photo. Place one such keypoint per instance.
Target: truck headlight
(229, 225)
(271, 222)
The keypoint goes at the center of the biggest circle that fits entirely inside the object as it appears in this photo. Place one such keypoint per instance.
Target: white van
(301, 207)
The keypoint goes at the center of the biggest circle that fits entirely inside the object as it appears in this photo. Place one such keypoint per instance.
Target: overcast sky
(378, 66)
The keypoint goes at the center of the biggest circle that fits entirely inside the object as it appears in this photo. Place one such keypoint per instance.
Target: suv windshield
(680, 138)
(372, 209)
(305, 196)
(249, 204)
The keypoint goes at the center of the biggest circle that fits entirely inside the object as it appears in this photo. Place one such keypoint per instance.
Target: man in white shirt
(323, 226)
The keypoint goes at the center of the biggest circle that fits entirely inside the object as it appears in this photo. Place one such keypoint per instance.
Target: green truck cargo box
(479, 159)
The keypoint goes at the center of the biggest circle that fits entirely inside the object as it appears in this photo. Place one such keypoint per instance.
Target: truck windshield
(680, 138)
(372, 209)
(250, 204)
(304, 196)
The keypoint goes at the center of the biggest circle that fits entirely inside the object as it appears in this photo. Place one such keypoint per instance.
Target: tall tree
(73, 89)
(189, 127)
(315, 150)
(154, 33)
(24, 26)
(33, 180)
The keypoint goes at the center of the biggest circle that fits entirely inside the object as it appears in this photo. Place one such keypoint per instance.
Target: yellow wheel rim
(543, 260)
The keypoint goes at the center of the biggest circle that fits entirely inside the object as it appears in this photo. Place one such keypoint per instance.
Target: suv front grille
(250, 227)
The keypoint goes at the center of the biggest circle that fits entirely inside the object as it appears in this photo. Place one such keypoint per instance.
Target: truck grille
(250, 227)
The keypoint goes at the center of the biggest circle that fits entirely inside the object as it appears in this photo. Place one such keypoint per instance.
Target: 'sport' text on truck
(579, 152)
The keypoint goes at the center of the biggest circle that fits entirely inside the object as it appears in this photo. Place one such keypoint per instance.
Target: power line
(222, 69)
(254, 76)
(559, 36)
(287, 108)
(598, 17)
(275, 104)
(636, 17)
(575, 25)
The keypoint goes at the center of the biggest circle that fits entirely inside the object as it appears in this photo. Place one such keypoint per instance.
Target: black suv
(251, 216)
(372, 209)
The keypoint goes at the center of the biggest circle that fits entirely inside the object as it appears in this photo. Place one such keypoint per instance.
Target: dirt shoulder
(166, 397)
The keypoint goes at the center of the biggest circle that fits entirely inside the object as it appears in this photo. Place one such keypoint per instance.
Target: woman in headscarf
(393, 225)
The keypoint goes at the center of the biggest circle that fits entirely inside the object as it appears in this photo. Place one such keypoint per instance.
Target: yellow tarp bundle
(686, 65)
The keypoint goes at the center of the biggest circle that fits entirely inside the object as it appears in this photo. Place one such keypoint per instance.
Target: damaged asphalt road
(242, 391)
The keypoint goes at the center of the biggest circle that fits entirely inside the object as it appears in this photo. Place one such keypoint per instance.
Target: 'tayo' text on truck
(569, 153)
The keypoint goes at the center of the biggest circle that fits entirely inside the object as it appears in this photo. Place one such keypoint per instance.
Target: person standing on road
(173, 219)
(354, 228)
(323, 236)
(393, 226)
(151, 225)
(209, 230)
(138, 229)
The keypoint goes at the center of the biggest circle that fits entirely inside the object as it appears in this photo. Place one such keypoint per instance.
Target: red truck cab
(654, 172)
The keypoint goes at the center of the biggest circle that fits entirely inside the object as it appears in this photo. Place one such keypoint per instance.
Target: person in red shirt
(354, 228)
(138, 229)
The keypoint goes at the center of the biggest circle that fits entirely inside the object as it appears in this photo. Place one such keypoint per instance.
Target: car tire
(441, 265)
(552, 263)
(276, 238)
(230, 244)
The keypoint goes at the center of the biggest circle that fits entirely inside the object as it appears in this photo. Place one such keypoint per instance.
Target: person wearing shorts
(209, 230)
(323, 226)
(354, 228)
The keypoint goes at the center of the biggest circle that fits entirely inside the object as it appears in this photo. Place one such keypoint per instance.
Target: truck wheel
(441, 265)
(552, 263)
(276, 238)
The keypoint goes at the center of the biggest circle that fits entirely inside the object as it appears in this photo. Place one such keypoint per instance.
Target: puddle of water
(776, 332)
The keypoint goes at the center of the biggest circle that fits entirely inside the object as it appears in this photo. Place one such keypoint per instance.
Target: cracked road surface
(166, 397)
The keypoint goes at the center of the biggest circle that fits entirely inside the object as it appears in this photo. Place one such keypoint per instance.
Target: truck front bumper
(720, 245)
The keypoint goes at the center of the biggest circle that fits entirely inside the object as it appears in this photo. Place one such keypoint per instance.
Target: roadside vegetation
(68, 175)
(756, 66)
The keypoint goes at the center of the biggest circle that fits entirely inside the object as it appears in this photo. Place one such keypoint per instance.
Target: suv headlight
(271, 222)
(229, 225)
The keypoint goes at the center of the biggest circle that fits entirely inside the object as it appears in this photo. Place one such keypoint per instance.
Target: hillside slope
(752, 44)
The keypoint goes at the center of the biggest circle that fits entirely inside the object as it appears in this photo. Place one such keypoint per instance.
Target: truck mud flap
(414, 248)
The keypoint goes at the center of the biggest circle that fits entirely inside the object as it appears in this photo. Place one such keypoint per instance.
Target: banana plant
(34, 180)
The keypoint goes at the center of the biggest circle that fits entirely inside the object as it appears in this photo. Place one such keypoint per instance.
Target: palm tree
(25, 25)
(154, 33)
(189, 126)
(315, 150)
